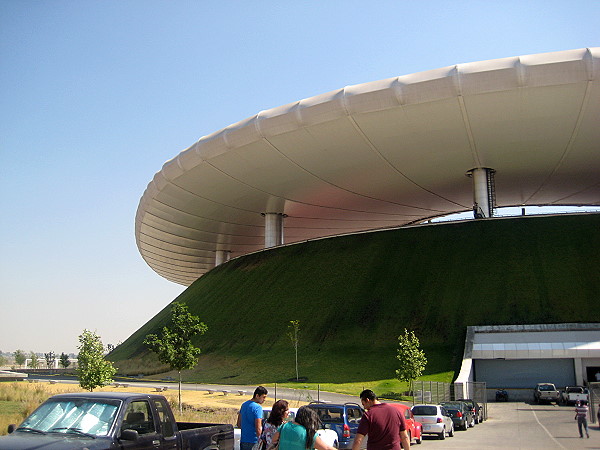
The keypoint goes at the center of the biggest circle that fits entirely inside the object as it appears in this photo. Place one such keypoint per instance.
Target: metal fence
(594, 393)
(430, 392)
(436, 392)
(475, 390)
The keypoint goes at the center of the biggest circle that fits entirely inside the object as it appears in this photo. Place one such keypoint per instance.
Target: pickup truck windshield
(74, 416)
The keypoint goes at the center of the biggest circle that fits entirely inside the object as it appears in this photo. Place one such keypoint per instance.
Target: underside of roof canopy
(380, 154)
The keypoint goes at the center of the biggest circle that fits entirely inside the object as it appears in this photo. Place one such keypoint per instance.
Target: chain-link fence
(474, 390)
(430, 392)
(436, 392)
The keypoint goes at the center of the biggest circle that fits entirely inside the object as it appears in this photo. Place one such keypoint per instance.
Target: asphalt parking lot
(521, 425)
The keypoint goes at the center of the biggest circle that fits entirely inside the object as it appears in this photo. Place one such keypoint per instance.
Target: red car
(414, 427)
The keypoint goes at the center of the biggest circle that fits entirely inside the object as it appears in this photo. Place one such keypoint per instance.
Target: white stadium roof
(380, 154)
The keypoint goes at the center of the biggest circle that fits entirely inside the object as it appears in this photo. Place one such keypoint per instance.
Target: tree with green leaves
(93, 371)
(174, 347)
(63, 360)
(35, 363)
(50, 357)
(293, 334)
(20, 357)
(412, 358)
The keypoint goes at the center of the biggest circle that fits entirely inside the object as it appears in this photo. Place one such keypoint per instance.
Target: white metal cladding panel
(523, 373)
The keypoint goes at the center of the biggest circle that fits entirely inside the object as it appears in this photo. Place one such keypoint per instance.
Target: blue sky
(96, 95)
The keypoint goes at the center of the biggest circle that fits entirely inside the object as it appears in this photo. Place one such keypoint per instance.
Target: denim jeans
(582, 422)
(246, 445)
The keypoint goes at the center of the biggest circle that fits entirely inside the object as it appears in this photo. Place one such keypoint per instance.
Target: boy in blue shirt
(250, 419)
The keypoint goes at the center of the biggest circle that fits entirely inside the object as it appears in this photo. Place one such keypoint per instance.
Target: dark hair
(277, 411)
(260, 391)
(308, 418)
(368, 394)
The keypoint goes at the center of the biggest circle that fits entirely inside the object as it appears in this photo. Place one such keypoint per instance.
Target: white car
(435, 420)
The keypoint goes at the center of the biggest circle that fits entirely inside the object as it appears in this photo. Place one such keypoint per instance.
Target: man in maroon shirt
(383, 423)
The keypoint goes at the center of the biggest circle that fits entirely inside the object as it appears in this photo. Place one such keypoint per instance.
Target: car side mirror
(129, 435)
(12, 427)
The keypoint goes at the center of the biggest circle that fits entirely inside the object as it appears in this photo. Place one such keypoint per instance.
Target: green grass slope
(354, 295)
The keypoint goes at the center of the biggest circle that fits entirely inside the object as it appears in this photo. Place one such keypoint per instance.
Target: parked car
(414, 426)
(267, 411)
(435, 419)
(343, 418)
(102, 420)
(545, 392)
(475, 407)
(462, 416)
(573, 394)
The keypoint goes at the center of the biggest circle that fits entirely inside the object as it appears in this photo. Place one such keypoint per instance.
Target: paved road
(287, 393)
(523, 426)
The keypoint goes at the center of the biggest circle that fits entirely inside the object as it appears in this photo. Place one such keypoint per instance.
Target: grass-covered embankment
(353, 296)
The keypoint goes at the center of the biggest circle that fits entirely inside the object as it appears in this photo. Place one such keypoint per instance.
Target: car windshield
(73, 416)
(330, 415)
(424, 410)
(575, 390)
(452, 405)
(546, 387)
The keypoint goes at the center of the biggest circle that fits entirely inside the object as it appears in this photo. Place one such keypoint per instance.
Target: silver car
(435, 420)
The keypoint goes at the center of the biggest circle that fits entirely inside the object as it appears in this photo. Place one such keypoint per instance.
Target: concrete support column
(578, 366)
(483, 191)
(273, 229)
(221, 256)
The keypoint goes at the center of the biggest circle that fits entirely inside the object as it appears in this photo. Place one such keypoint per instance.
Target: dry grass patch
(19, 399)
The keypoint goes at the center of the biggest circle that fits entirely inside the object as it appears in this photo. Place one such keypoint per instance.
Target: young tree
(20, 357)
(94, 370)
(2, 359)
(34, 360)
(50, 357)
(64, 361)
(293, 333)
(174, 347)
(412, 358)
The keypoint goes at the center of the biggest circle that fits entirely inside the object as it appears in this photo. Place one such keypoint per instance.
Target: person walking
(279, 413)
(581, 412)
(301, 433)
(250, 418)
(384, 425)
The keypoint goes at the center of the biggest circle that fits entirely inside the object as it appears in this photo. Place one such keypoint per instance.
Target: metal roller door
(524, 373)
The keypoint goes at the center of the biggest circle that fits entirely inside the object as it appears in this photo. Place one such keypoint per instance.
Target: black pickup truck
(105, 420)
